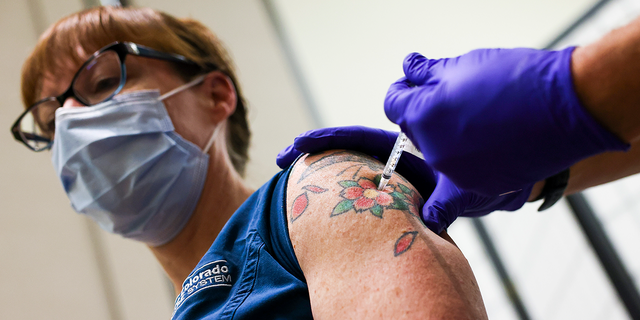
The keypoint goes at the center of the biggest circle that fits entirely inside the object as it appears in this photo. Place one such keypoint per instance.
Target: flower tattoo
(363, 195)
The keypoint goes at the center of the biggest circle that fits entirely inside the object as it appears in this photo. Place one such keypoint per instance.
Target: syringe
(402, 144)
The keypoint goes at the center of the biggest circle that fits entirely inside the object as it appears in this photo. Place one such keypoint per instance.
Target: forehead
(54, 82)
(59, 72)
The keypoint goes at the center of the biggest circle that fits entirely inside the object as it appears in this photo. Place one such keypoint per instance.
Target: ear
(221, 94)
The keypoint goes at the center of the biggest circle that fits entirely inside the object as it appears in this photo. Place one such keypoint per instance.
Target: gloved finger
(397, 99)
(416, 68)
(443, 206)
(479, 205)
(372, 141)
(287, 156)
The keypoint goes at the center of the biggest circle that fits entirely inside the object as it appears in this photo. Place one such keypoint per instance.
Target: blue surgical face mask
(122, 164)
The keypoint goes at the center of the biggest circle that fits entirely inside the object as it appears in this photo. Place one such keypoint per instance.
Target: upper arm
(365, 253)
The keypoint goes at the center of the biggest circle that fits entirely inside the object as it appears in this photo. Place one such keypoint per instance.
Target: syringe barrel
(396, 152)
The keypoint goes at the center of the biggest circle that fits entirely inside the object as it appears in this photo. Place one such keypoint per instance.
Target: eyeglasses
(99, 79)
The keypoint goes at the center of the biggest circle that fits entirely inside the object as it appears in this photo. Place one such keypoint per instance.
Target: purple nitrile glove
(495, 120)
(447, 202)
(444, 204)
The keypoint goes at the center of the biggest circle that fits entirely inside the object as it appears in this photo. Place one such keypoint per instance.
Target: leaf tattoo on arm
(301, 202)
(339, 157)
(404, 242)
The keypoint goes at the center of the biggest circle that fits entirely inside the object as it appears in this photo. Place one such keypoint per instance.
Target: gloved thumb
(417, 68)
(398, 97)
(287, 156)
(444, 205)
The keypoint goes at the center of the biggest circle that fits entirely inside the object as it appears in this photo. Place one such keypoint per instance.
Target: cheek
(189, 119)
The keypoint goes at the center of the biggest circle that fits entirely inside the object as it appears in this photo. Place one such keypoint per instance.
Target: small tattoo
(301, 202)
(314, 189)
(404, 243)
(349, 167)
(300, 205)
(355, 174)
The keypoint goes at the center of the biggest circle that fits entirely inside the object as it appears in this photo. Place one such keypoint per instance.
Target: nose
(72, 103)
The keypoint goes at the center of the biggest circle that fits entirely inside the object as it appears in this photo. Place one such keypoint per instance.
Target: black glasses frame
(122, 49)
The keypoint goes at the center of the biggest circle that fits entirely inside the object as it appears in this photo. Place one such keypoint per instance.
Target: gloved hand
(495, 120)
(448, 201)
(377, 143)
(443, 204)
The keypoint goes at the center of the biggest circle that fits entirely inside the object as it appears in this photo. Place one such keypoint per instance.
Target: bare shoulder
(364, 252)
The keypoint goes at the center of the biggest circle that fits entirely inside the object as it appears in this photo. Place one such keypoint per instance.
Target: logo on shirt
(212, 274)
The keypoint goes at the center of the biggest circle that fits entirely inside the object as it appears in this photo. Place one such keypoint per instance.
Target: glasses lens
(38, 125)
(99, 79)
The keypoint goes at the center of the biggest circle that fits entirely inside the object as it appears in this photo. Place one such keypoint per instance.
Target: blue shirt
(250, 271)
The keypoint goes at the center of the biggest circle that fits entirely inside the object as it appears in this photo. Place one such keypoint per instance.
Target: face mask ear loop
(213, 138)
(185, 86)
